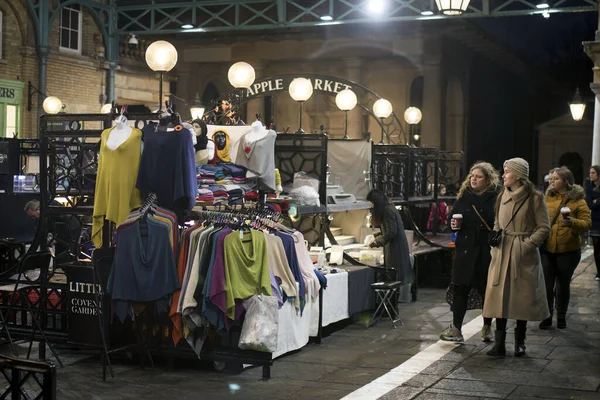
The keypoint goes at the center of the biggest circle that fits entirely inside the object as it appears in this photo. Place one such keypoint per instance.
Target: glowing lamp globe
(52, 105)
(241, 75)
(346, 100)
(161, 56)
(382, 108)
(301, 89)
(413, 115)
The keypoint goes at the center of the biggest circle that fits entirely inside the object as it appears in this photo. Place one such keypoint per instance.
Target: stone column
(431, 124)
(356, 129)
(593, 51)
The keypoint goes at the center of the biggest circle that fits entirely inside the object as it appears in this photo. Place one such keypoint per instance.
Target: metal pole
(346, 126)
(110, 85)
(160, 93)
(382, 132)
(300, 129)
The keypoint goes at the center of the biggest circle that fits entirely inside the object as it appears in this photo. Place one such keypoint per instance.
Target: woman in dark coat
(472, 256)
(392, 236)
(592, 197)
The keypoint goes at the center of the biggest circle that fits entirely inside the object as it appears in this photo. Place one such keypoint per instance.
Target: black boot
(547, 323)
(499, 349)
(520, 341)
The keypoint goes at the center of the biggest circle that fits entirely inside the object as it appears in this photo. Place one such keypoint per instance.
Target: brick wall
(77, 80)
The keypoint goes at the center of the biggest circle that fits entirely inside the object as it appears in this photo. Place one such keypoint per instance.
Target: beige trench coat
(515, 286)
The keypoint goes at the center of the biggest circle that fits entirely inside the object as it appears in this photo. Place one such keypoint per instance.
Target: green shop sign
(11, 91)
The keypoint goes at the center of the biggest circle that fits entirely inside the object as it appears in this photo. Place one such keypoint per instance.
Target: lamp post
(577, 106)
(382, 109)
(452, 7)
(241, 75)
(346, 101)
(413, 116)
(161, 57)
(52, 105)
(197, 109)
(300, 90)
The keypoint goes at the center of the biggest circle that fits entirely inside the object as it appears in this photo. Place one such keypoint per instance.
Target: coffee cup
(565, 211)
(456, 222)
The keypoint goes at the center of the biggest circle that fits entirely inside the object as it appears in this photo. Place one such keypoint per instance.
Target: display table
(334, 304)
(360, 295)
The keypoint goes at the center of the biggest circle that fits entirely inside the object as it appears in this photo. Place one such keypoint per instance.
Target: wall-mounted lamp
(51, 105)
(577, 106)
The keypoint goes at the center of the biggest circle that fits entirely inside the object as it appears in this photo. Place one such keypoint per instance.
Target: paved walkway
(380, 362)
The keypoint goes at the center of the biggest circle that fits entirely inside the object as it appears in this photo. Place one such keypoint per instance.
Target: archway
(574, 162)
(454, 116)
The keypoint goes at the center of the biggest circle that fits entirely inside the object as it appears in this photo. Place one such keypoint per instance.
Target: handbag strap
(557, 214)
(481, 218)
(516, 212)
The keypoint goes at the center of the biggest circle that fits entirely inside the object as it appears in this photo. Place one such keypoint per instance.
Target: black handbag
(495, 237)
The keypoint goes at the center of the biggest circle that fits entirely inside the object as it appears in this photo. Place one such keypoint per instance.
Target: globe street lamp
(300, 90)
(346, 101)
(106, 109)
(577, 106)
(241, 76)
(382, 109)
(161, 57)
(413, 116)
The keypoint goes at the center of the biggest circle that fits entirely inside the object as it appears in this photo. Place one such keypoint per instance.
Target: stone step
(336, 231)
(344, 240)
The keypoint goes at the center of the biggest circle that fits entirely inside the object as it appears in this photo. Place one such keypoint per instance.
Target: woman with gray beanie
(515, 286)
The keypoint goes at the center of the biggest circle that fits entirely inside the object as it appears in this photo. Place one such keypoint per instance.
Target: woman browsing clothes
(474, 217)
(592, 196)
(569, 216)
(515, 285)
(392, 237)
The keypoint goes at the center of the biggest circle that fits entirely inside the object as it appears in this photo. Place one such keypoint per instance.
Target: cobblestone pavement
(560, 364)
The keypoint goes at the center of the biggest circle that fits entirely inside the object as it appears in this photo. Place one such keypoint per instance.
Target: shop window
(10, 120)
(71, 19)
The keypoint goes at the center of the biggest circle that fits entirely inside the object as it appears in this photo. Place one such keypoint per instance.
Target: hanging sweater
(168, 168)
(281, 268)
(143, 270)
(246, 268)
(116, 194)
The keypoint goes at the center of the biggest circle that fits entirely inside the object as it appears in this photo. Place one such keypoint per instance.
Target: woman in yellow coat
(515, 285)
(569, 215)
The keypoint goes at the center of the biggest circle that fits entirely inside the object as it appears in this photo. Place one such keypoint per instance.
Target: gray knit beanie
(518, 166)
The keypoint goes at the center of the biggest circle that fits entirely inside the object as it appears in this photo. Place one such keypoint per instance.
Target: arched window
(210, 95)
(416, 100)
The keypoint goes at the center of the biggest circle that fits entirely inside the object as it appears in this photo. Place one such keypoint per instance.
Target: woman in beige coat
(515, 287)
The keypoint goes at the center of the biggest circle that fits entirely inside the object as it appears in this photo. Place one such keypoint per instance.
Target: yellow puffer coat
(565, 238)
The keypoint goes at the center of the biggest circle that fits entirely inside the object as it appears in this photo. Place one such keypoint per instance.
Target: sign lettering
(7, 93)
(272, 85)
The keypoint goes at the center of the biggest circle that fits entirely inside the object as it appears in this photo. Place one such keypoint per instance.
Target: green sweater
(246, 268)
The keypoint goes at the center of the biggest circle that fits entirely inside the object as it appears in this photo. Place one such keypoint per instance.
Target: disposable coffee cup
(565, 211)
(458, 218)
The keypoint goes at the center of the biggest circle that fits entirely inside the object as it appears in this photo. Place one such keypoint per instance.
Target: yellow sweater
(565, 238)
(116, 194)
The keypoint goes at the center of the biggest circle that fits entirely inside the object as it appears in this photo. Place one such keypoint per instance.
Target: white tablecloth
(293, 329)
(335, 302)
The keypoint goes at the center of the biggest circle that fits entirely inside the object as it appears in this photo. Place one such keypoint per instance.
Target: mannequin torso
(257, 132)
(119, 134)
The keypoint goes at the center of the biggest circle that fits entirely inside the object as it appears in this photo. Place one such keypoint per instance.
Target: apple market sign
(272, 85)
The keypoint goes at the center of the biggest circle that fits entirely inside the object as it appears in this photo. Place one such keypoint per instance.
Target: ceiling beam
(149, 17)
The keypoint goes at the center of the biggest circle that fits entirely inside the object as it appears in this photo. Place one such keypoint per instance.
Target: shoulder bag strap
(481, 218)
(516, 212)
